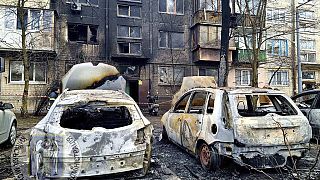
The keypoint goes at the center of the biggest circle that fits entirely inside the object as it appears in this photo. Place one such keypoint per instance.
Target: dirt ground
(171, 162)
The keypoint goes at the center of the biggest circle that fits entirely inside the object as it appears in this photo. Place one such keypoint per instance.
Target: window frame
(175, 8)
(240, 79)
(33, 81)
(275, 80)
(83, 4)
(169, 40)
(129, 32)
(310, 72)
(280, 42)
(129, 11)
(130, 48)
(171, 80)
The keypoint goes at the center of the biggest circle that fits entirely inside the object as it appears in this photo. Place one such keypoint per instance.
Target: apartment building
(39, 23)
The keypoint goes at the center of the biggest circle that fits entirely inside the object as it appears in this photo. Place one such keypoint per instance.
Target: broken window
(85, 2)
(207, 5)
(82, 33)
(181, 105)
(210, 107)
(25, 19)
(129, 11)
(171, 6)
(171, 75)
(129, 48)
(173, 40)
(95, 114)
(208, 72)
(129, 31)
(37, 71)
(197, 103)
(250, 105)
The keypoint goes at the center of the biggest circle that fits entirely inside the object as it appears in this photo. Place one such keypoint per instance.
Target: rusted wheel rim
(205, 155)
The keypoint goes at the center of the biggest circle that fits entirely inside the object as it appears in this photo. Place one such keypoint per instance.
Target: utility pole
(223, 68)
(298, 46)
(293, 47)
(298, 53)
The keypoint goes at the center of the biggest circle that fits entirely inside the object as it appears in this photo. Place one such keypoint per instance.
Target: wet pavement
(171, 162)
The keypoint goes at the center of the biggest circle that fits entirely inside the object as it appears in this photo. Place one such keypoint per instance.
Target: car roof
(240, 90)
(98, 95)
(314, 91)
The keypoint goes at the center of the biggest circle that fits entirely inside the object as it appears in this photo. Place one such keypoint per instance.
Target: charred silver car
(91, 132)
(259, 128)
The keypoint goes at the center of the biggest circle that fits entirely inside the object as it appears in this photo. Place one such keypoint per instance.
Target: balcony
(207, 17)
(245, 55)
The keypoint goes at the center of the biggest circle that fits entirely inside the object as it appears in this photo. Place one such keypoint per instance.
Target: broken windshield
(263, 104)
(85, 116)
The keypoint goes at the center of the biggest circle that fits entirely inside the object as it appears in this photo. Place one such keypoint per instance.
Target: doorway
(132, 88)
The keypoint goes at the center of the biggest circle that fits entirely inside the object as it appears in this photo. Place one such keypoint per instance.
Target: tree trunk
(26, 63)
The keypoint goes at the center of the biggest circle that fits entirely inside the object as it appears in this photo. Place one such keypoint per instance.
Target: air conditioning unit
(76, 7)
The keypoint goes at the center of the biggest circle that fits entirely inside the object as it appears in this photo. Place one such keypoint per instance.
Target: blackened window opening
(82, 33)
(89, 116)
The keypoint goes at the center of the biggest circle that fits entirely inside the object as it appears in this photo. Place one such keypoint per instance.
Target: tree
(27, 41)
(252, 22)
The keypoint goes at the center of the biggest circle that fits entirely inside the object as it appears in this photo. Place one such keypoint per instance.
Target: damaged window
(197, 102)
(263, 104)
(129, 11)
(181, 105)
(210, 107)
(25, 18)
(95, 114)
(129, 31)
(82, 33)
(129, 48)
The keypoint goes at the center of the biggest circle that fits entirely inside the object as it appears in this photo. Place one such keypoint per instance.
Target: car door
(3, 125)
(192, 120)
(175, 117)
(314, 117)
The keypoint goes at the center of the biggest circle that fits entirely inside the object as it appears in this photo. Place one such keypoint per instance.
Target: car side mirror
(7, 106)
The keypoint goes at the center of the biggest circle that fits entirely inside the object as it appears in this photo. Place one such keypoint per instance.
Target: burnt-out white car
(260, 128)
(91, 132)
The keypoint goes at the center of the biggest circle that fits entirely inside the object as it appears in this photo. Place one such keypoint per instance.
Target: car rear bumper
(268, 157)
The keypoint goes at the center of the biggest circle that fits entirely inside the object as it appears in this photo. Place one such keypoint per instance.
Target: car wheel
(209, 157)
(12, 135)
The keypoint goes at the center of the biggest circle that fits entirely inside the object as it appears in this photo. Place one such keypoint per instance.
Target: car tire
(12, 135)
(209, 157)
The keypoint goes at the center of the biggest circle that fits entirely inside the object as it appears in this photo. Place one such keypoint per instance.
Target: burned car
(259, 128)
(309, 104)
(91, 132)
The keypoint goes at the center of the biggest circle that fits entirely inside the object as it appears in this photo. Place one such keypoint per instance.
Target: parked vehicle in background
(8, 124)
(309, 104)
(248, 125)
(97, 130)
(153, 107)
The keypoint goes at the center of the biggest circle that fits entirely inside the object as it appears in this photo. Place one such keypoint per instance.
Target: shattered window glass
(95, 114)
(135, 32)
(135, 48)
(163, 39)
(197, 102)
(123, 47)
(250, 105)
(93, 34)
(177, 40)
(181, 105)
(171, 75)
